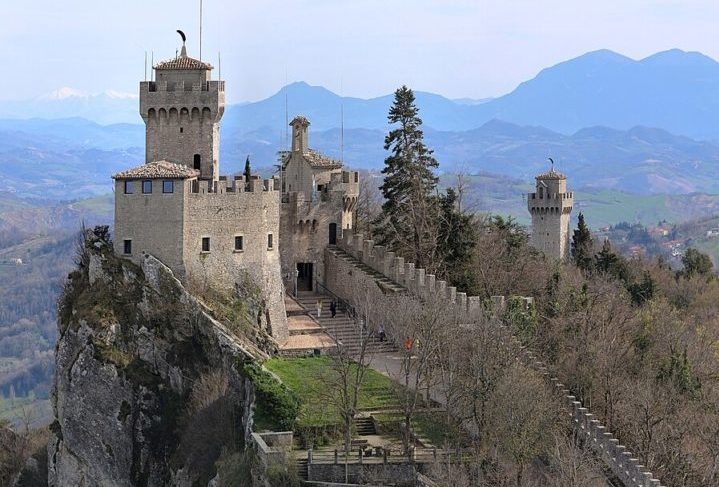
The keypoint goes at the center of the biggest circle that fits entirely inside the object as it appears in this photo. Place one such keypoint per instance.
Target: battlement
(234, 186)
(415, 280)
(623, 464)
(182, 86)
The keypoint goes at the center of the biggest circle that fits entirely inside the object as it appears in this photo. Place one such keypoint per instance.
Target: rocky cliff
(149, 388)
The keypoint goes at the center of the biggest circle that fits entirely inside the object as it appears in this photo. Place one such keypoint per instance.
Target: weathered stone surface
(133, 347)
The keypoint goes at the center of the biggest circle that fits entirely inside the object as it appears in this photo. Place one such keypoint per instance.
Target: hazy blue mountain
(104, 108)
(675, 90)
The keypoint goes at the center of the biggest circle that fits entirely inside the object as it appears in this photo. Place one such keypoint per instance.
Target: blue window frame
(147, 186)
(168, 186)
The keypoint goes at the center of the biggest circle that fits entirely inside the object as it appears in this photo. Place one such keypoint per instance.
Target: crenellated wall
(622, 463)
(415, 280)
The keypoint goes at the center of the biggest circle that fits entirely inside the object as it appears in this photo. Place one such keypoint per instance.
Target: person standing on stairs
(333, 308)
(319, 307)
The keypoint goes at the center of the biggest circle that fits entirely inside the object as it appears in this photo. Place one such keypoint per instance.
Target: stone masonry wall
(153, 222)
(221, 216)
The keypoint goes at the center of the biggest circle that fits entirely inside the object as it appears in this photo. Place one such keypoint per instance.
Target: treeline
(635, 340)
(28, 323)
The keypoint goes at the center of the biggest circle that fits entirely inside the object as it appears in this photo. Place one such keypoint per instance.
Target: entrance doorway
(304, 276)
(333, 234)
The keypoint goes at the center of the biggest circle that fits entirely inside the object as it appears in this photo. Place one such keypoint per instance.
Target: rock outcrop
(149, 388)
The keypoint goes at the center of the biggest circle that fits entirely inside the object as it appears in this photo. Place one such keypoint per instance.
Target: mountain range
(602, 117)
(674, 90)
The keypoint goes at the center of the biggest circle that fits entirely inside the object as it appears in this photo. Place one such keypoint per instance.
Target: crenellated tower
(182, 109)
(551, 206)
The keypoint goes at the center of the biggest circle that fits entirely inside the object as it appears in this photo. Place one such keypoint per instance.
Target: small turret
(299, 134)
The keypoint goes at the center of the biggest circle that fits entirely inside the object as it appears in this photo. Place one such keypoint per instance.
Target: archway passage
(304, 276)
(333, 234)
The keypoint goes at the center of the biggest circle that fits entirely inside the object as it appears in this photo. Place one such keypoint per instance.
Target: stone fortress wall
(309, 224)
(343, 279)
(223, 212)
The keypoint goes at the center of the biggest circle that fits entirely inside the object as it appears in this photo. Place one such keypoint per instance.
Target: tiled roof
(183, 62)
(551, 174)
(158, 170)
(319, 160)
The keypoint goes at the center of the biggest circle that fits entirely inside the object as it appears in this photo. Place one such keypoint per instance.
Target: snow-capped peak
(64, 93)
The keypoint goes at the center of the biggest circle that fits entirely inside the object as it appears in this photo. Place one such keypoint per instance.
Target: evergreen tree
(582, 245)
(248, 169)
(696, 262)
(608, 262)
(410, 213)
(457, 236)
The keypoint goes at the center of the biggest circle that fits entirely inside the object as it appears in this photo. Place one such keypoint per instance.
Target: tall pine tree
(582, 245)
(410, 214)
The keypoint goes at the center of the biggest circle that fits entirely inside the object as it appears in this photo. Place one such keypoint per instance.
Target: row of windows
(239, 244)
(168, 186)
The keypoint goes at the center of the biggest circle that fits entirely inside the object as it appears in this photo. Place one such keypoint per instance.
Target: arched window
(197, 161)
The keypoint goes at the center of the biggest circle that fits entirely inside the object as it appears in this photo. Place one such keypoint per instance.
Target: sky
(361, 48)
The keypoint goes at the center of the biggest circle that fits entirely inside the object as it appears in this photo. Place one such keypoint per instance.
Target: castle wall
(306, 223)
(223, 215)
(298, 175)
(153, 222)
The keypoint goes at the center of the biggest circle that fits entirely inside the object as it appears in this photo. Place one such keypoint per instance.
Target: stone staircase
(382, 281)
(302, 470)
(342, 328)
(364, 426)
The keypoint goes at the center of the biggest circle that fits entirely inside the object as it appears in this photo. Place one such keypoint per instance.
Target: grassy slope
(311, 379)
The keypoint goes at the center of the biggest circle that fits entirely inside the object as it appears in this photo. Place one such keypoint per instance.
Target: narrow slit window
(269, 241)
(127, 246)
(238, 243)
(205, 244)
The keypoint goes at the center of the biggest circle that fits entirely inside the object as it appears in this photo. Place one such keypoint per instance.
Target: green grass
(312, 380)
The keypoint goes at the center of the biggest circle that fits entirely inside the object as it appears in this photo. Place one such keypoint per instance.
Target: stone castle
(214, 230)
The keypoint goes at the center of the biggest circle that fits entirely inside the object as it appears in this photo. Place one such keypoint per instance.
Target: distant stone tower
(551, 206)
(182, 109)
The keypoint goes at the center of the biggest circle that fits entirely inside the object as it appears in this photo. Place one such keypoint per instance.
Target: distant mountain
(105, 108)
(674, 90)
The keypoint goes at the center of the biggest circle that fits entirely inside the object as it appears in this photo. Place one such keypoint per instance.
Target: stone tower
(182, 109)
(550, 207)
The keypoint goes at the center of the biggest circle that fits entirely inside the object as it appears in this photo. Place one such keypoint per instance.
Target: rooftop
(183, 62)
(551, 174)
(158, 170)
(320, 160)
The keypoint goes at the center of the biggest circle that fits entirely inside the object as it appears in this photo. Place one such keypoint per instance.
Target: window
(147, 186)
(168, 186)
(128, 187)
(127, 246)
(269, 241)
(197, 161)
(238, 243)
(205, 244)
(181, 130)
